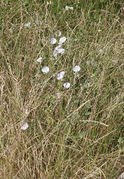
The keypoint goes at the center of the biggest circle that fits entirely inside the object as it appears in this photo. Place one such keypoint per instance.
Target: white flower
(28, 25)
(55, 54)
(45, 69)
(68, 8)
(39, 60)
(58, 95)
(62, 40)
(59, 46)
(76, 68)
(24, 126)
(58, 50)
(60, 75)
(53, 41)
(58, 33)
(122, 176)
(67, 85)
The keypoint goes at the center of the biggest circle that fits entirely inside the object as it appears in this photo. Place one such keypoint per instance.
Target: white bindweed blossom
(62, 40)
(45, 69)
(68, 8)
(66, 85)
(28, 25)
(58, 50)
(122, 176)
(39, 60)
(24, 126)
(55, 54)
(60, 75)
(53, 41)
(59, 46)
(76, 68)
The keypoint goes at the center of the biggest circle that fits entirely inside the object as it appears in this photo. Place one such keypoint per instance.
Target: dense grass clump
(61, 89)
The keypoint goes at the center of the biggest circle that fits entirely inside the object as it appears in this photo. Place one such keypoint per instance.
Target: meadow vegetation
(74, 132)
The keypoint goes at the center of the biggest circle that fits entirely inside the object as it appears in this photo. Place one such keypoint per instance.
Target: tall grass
(79, 134)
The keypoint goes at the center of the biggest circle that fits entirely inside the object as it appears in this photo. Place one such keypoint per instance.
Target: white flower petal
(53, 41)
(45, 69)
(24, 126)
(67, 85)
(122, 176)
(76, 68)
(62, 40)
(28, 25)
(60, 75)
(55, 54)
(58, 50)
(61, 51)
(59, 46)
(39, 60)
(68, 8)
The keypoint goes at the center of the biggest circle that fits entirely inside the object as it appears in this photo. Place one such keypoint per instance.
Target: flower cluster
(58, 49)
(45, 69)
